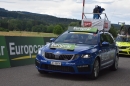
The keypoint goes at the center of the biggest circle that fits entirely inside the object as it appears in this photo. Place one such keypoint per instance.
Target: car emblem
(57, 54)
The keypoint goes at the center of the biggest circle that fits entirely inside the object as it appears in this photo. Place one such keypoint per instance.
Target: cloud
(4, 1)
(35, 0)
(116, 10)
(104, 1)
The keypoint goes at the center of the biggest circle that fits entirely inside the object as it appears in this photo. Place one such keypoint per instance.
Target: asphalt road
(29, 76)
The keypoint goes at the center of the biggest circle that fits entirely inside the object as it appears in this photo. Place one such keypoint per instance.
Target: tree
(29, 25)
(74, 24)
(113, 31)
(37, 28)
(50, 29)
(43, 28)
(64, 26)
(58, 30)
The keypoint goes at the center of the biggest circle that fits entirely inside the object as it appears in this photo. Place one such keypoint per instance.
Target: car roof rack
(101, 24)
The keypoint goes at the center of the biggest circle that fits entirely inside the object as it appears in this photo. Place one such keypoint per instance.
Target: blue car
(79, 50)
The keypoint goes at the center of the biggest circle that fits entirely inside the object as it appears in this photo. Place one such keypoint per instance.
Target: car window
(103, 38)
(106, 38)
(122, 39)
(110, 39)
(128, 39)
(78, 38)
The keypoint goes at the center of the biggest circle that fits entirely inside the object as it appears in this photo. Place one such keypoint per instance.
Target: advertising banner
(4, 59)
(23, 50)
(97, 23)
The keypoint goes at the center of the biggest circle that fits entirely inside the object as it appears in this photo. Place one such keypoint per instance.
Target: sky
(116, 10)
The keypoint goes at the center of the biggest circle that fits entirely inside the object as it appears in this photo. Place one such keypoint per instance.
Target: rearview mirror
(52, 39)
(105, 44)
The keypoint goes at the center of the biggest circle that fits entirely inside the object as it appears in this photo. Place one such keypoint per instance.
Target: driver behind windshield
(91, 39)
(122, 39)
(74, 38)
(78, 38)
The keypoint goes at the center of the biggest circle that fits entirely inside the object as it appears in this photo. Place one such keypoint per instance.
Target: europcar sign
(18, 51)
(4, 59)
(23, 50)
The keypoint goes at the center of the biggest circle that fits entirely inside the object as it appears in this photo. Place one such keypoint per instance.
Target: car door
(104, 51)
(112, 48)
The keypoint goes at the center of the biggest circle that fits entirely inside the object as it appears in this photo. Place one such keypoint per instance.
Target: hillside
(27, 21)
(40, 17)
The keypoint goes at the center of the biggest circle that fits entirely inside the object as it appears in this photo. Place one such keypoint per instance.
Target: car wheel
(95, 71)
(42, 72)
(114, 67)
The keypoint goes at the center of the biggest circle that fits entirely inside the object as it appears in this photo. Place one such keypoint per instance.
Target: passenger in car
(91, 40)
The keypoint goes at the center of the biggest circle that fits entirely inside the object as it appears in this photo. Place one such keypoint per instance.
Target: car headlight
(93, 50)
(86, 56)
(41, 52)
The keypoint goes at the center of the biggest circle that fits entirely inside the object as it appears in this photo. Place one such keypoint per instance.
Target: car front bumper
(72, 67)
(124, 51)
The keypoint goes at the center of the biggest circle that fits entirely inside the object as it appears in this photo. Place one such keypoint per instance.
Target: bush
(57, 30)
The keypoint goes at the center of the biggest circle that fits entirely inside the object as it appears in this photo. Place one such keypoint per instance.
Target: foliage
(58, 30)
(5, 30)
(50, 29)
(74, 24)
(113, 31)
(26, 21)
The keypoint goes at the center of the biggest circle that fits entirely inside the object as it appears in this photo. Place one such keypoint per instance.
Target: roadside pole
(83, 13)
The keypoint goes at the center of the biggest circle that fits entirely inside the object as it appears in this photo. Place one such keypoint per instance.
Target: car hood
(79, 48)
(123, 43)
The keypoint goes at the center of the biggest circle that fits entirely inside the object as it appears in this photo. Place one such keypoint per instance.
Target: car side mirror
(52, 39)
(105, 44)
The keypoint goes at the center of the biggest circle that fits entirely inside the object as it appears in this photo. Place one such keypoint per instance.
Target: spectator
(74, 38)
(100, 11)
(95, 12)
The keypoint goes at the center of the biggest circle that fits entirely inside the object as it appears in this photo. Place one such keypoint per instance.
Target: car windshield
(122, 39)
(78, 38)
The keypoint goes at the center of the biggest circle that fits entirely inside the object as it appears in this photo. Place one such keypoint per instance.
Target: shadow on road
(104, 73)
(124, 56)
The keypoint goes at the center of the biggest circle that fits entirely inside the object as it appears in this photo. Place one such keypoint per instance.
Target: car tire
(95, 71)
(114, 67)
(42, 72)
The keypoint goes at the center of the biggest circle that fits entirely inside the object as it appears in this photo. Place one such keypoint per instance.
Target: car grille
(123, 52)
(83, 69)
(58, 57)
(123, 47)
(57, 68)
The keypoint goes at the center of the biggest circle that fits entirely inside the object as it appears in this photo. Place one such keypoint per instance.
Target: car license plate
(56, 63)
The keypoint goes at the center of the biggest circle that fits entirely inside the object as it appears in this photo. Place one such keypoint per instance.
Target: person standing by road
(100, 11)
(95, 12)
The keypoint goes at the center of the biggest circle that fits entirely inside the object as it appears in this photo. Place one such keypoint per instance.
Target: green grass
(24, 33)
